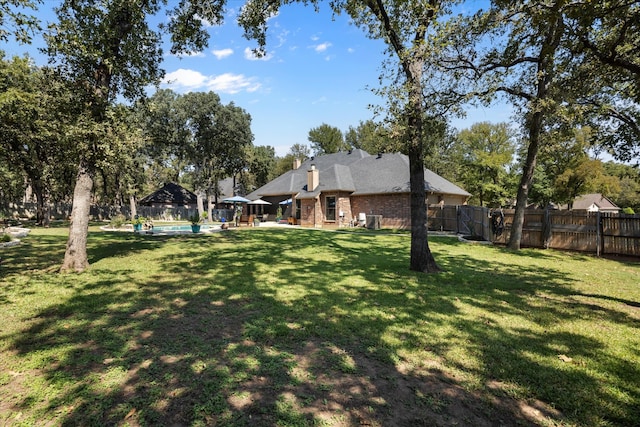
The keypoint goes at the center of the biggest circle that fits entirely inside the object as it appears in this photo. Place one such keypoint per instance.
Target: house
(171, 195)
(595, 202)
(343, 188)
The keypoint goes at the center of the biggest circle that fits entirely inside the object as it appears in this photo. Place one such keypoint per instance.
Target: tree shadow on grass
(268, 327)
(35, 253)
(123, 244)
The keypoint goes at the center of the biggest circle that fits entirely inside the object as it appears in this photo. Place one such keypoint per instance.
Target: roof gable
(334, 178)
(588, 201)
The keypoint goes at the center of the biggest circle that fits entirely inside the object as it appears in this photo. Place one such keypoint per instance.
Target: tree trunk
(39, 192)
(210, 205)
(46, 210)
(525, 182)
(43, 213)
(199, 202)
(75, 257)
(421, 257)
(133, 206)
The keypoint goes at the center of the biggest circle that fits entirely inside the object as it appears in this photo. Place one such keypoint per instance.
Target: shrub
(628, 211)
(195, 218)
(117, 221)
(4, 237)
(138, 220)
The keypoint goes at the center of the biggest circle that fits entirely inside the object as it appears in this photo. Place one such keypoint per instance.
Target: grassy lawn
(294, 327)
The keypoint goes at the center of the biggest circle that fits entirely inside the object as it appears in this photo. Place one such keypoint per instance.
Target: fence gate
(465, 220)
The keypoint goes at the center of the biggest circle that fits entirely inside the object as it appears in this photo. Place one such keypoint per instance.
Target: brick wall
(395, 209)
(310, 213)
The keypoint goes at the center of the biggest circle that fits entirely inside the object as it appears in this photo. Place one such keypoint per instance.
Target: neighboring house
(171, 195)
(339, 189)
(595, 202)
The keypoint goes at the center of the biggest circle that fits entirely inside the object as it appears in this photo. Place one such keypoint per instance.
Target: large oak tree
(546, 59)
(404, 27)
(109, 49)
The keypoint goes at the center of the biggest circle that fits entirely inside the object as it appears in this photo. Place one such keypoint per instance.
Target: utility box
(373, 222)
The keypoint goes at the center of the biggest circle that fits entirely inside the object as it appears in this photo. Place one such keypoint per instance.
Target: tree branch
(611, 58)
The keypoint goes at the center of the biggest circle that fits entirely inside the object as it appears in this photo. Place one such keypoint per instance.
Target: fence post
(599, 231)
(546, 228)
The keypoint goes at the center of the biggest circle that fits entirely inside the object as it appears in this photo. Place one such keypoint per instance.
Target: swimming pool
(166, 229)
(185, 228)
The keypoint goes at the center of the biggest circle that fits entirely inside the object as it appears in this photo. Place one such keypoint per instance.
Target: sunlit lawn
(276, 326)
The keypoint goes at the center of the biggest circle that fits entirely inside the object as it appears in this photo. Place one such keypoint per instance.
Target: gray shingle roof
(356, 172)
(170, 193)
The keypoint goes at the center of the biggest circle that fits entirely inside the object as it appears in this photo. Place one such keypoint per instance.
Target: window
(330, 210)
(298, 208)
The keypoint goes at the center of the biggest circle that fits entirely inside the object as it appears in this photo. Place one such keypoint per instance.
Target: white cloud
(282, 38)
(320, 100)
(222, 53)
(351, 50)
(188, 80)
(232, 83)
(248, 54)
(322, 47)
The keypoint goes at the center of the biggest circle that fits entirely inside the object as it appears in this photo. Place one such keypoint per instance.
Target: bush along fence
(577, 230)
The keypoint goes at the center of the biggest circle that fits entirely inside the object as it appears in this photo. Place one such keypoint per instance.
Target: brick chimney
(296, 164)
(313, 178)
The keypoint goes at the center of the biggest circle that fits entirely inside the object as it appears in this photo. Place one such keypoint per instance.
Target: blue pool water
(178, 228)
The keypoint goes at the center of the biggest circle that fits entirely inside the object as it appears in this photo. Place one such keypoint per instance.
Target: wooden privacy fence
(61, 211)
(578, 230)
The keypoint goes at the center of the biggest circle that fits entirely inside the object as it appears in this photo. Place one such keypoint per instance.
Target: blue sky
(317, 70)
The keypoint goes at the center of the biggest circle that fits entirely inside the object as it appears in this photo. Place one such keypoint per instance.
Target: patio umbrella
(235, 199)
(259, 202)
(285, 202)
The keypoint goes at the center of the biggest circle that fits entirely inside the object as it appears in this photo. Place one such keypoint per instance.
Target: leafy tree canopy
(487, 155)
(14, 22)
(36, 113)
(326, 139)
(371, 137)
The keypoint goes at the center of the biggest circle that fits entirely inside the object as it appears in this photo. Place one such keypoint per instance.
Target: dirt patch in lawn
(194, 363)
(309, 382)
(352, 388)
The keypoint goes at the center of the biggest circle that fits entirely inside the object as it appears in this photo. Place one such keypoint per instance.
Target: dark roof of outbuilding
(170, 193)
(356, 172)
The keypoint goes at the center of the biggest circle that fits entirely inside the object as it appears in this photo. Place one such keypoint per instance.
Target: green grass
(295, 327)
